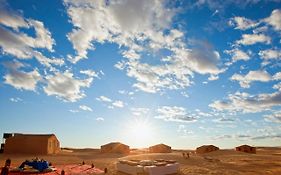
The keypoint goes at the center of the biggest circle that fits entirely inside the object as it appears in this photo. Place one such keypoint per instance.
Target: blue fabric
(40, 166)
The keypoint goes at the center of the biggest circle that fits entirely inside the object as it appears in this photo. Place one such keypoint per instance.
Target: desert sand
(267, 161)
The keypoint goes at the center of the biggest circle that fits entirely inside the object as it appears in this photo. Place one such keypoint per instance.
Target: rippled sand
(267, 161)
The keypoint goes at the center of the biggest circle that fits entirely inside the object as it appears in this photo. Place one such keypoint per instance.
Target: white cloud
(245, 80)
(277, 86)
(175, 74)
(185, 94)
(66, 87)
(261, 29)
(126, 92)
(20, 44)
(21, 79)
(224, 120)
(103, 99)
(100, 119)
(90, 73)
(274, 19)
(85, 108)
(174, 113)
(73, 111)
(250, 39)
(277, 76)
(16, 99)
(118, 104)
(270, 54)
(113, 104)
(242, 23)
(246, 103)
(12, 20)
(121, 22)
(139, 27)
(213, 77)
(238, 55)
(274, 117)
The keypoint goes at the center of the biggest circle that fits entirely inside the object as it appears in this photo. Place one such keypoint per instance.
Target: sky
(182, 73)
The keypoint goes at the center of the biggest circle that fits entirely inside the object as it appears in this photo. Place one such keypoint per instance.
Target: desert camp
(31, 144)
(140, 87)
(206, 149)
(160, 148)
(115, 147)
(246, 149)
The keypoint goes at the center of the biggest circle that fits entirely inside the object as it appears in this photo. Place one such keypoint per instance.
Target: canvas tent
(246, 149)
(115, 147)
(32, 144)
(160, 148)
(206, 149)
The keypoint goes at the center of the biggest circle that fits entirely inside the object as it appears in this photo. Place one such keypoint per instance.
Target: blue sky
(184, 73)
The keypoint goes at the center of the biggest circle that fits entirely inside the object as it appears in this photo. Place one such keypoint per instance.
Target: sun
(140, 130)
(139, 133)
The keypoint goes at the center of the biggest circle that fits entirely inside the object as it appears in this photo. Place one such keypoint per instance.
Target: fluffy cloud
(21, 79)
(174, 113)
(238, 55)
(243, 137)
(224, 120)
(19, 44)
(118, 104)
(250, 39)
(274, 117)
(270, 54)
(104, 99)
(17, 99)
(277, 86)
(73, 111)
(244, 102)
(245, 80)
(140, 26)
(85, 108)
(66, 87)
(121, 22)
(177, 70)
(274, 19)
(100, 119)
(242, 23)
(11, 19)
(89, 72)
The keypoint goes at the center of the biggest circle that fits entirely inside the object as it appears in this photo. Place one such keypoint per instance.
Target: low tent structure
(32, 144)
(115, 147)
(246, 149)
(206, 149)
(160, 148)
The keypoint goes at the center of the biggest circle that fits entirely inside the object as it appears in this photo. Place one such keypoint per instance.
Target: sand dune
(267, 161)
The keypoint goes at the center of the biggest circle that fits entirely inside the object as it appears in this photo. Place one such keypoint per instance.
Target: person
(187, 155)
(5, 169)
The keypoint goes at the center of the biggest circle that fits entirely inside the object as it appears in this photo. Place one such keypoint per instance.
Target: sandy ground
(267, 161)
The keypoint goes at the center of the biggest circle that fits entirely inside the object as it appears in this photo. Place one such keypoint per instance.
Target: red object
(68, 169)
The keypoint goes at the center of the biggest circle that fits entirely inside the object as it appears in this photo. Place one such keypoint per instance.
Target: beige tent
(246, 149)
(206, 149)
(160, 148)
(115, 147)
(32, 144)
